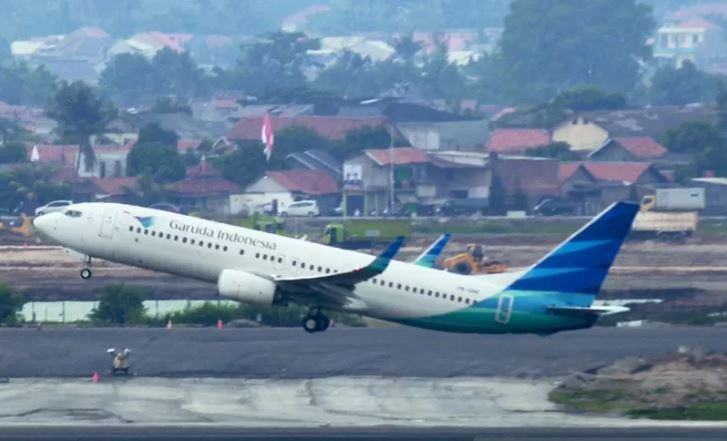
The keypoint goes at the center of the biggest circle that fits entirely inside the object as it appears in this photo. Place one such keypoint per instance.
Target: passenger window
(294, 263)
(209, 245)
(429, 293)
(224, 249)
(383, 283)
(320, 269)
(153, 233)
(146, 232)
(176, 238)
(201, 243)
(459, 299)
(191, 241)
(184, 240)
(169, 236)
(138, 229)
(451, 297)
(398, 286)
(217, 246)
(131, 228)
(391, 284)
(406, 288)
(257, 255)
(265, 257)
(242, 252)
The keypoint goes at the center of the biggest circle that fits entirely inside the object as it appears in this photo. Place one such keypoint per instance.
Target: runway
(281, 353)
(377, 434)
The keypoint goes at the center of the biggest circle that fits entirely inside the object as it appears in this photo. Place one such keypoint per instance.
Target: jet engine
(245, 287)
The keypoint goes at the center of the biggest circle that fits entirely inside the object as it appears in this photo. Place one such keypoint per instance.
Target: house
(119, 190)
(694, 39)
(628, 149)
(523, 181)
(316, 159)
(420, 178)
(598, 184)
(205, 190)
(516, 141)
(333, 128)
(282, 188)
(588, 131)
(422, 125)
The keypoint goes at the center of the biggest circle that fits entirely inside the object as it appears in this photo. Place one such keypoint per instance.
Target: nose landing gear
(86, 271)
(316, 321)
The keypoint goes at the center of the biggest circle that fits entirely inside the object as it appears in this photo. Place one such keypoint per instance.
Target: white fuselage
(202, 249)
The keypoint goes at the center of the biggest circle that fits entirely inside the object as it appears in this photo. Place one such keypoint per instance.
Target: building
(628, 149)
(204, 189)
(276, 190)
(588, 131)
(695, 39)
(420, 178)
(516, 141)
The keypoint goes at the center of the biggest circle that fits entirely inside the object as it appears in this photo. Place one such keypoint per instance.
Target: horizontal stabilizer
(578, 311)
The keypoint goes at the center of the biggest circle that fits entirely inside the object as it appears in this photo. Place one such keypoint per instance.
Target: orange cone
(219, 324)
(169, 324)
(95, 378)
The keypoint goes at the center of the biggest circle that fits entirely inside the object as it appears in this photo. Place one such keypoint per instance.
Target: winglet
(380, 264)
(429, 257)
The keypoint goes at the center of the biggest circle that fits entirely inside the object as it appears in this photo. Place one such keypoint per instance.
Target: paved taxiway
(293, 354)
(380, 434)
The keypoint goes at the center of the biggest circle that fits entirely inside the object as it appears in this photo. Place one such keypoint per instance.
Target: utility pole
(392, 196)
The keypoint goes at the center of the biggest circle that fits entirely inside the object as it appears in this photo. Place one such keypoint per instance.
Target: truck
(669, 214)
(365, 233)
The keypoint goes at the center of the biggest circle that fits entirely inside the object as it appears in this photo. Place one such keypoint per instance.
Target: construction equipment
(21, 225)
(473, 262)
(119, 361)
(365, 233)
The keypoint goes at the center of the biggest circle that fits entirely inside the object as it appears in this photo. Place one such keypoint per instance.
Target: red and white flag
(267, 136)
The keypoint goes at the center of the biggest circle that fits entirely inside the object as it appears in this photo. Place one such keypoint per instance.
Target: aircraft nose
(46, 224)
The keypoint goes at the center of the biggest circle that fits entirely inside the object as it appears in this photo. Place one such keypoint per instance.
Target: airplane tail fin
(579, 265)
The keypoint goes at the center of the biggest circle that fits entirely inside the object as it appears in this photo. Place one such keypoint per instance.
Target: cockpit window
(73, 213)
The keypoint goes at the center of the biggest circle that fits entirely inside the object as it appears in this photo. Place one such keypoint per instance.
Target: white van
(301, 208)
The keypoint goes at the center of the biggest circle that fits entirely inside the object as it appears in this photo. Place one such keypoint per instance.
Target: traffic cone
(219, 324)
(169, 324)
(95, 378)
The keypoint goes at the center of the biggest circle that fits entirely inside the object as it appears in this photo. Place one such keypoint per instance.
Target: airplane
(555, 294)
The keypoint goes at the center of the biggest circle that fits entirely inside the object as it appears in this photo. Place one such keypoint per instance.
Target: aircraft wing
(336, 289)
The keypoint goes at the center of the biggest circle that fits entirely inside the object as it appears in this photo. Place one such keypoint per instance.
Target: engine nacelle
(245, 287)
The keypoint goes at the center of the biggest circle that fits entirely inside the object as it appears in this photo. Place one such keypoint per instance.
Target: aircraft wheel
(323, 323)
(310, 324)
(86, 274)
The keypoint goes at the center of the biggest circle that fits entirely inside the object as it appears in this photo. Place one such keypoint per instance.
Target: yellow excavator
(24, 228)
(473, 262)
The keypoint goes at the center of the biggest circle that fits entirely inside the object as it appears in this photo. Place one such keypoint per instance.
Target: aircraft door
(504, 309)
(108, 221)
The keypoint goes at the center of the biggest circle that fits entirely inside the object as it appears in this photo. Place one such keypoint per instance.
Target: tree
(245, 164)
(439, 78)
(589, 98)
(80, 114)
(556, 150)
(12, 152)
(19, 84)
(550, 46)
(406, 48)
(176, 74)
(156, 153)
(5, 54)
(361, 139)
(127, 77)
(721, 103)
(31, 185)
(705, 143)
(680, 86)
(10, 305)
(120, 305)
(278, 60)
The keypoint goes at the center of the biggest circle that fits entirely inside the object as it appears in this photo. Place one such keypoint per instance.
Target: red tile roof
(401, 156)
(51, 153)
(607, 171)
(313, 182)
(187, 144)
(642, 147)
(517, 140)
(115, 186)
(567, 169)
(205, 186)
(334, 128)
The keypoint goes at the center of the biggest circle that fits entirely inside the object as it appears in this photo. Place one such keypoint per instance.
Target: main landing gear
(316, 321)
(86, 271)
